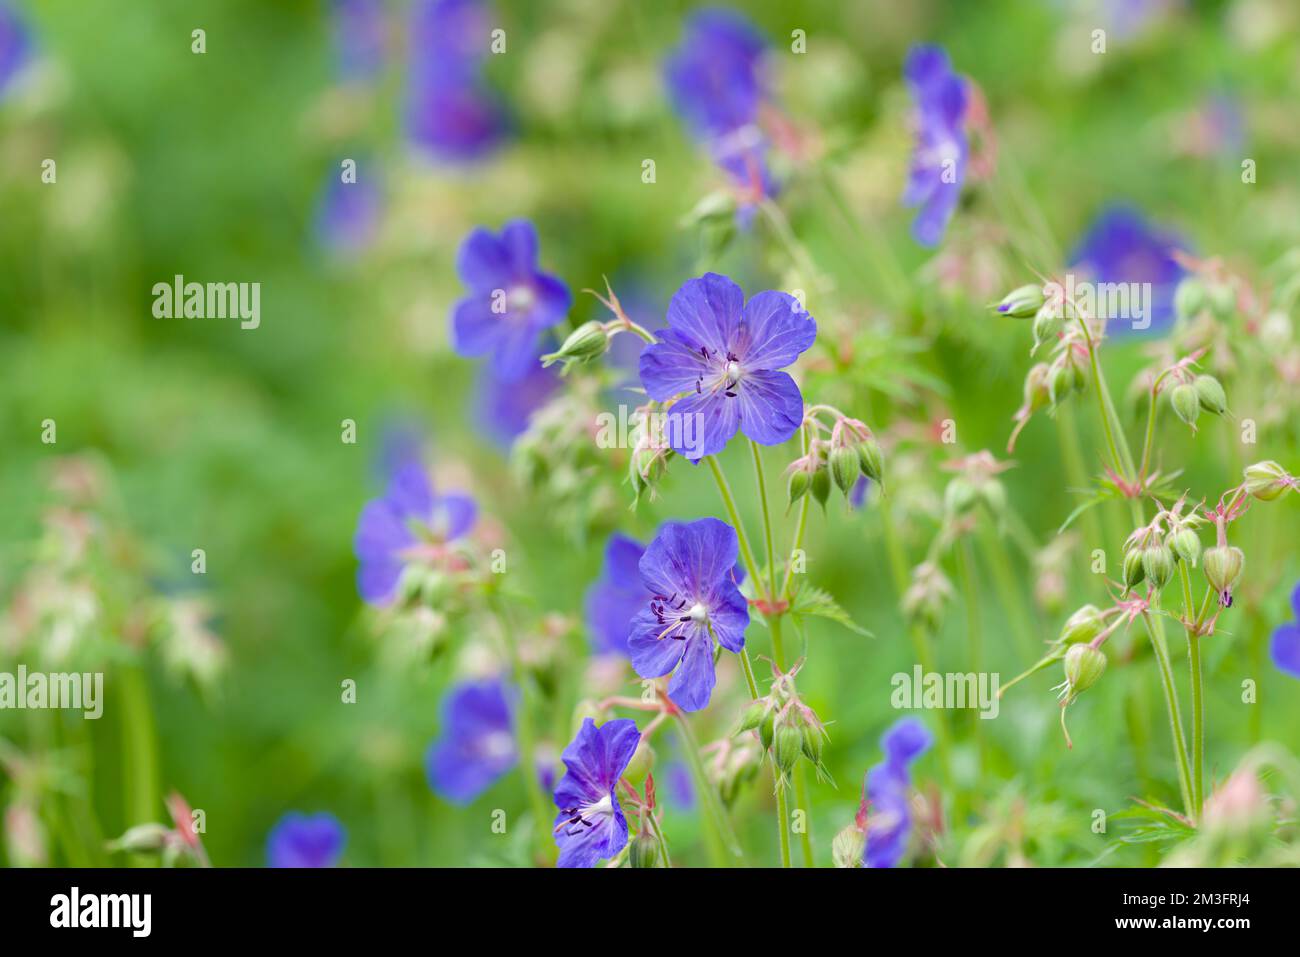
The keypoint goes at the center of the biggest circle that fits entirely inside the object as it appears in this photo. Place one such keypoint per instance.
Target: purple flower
(888, 790)
(300, 840)
(407, 521)
(359, 37)
(506, 407)
(939, 158)
(858, 494)
(1285, 646)
(723, 354)
(477, 745)
(15, 45)
(451, 112)
(1122, 247)
(348, 214)
(510, 301)
(688, 571)
(617, 595)
(590, 826)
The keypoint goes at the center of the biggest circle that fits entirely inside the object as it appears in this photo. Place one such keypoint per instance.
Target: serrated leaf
(819, 602)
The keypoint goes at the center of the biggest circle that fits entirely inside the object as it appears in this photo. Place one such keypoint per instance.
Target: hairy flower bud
(812, 742)
(754, 715)
(642, 762)
(1186, 403)
(1048, 323)
(959, 496)
(844, 466)
(1084, 625)
(1190, 298)
(1158, 565)
(788, 746)
(1187, 545)
(1267, 480)
(1223, 564)
(1022, 302)
(820, 484)
(1084, 664)
(1223, 299)
(847, 847)
(643, 851)
(1210, 394)
(585, 343)
(871, 460)
(142, 837)
(767, 729)
(1134, 571)
(797, 486)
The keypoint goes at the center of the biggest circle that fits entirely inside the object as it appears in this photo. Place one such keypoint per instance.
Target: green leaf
(817, 601)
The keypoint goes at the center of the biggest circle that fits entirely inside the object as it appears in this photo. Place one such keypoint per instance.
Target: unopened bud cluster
(851, 452)
(788, 729)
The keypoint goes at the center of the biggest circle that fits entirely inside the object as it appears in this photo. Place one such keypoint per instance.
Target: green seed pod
(643, 851)
(788, 747)
(1084, 664)
(1211, 395)
(1187, 545)
(845, 466)
(1223, 564)
(1084, 625)
(798, 486)
(1223, 300)
(1190, 298)
(871, 460)
(994, 494)
(1021, 303)
(1267, 480)
(820, 485)
(1048, 324)
(1158, 565)
(642, 763)
(767, 729)
(585, 343)
(959, 496)
(812, 742)
(753, 715)
(847, 847)
(1134, 571)
(1186, 402)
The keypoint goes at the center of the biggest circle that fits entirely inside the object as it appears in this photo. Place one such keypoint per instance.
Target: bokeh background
(182, 434)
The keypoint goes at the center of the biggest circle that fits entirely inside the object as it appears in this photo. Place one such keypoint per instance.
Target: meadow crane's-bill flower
(590, 826)
(477, 743)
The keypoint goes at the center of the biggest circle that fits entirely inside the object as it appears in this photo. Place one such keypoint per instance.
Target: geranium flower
(348, 214)
(590, 826)
(510, 301)
(477, 744)
(360, 37)
(938, 165)
(408, 521)
(688, 572)
(505, 407)
(724, 355)
(1285, 646)
(300, 840)
(617, 595)
(889, 792)
(15, 44)
(1121, 246)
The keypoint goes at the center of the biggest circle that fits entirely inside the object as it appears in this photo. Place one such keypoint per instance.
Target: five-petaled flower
(617, 595)
(408, 522)
(590, 826)
(477, 745)
(510, 301)
(720, 359)
(1285, 646)
(889, 793)
(15, 45)
(689, 572)
(939, 158)
(300, 840)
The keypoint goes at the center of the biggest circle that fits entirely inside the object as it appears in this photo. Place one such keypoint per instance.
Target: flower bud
(1083, 626)
(820, 485)
(1267, 480)
(1022, 303)
(1158, 565)
(1048, 323)
(1190, 298)
(812, 742)
(1065, 378)
(959, 496)
(1134, 571)
(767, 729)
(1223, 564)
(847, 847)
(585, 343)
(642, 762)
(1187, 545)
(142, 837)
(585, 709)
(1223, 299)
(798, 486)
(994, 494)
(1084, 664)
(1037, 392)
(844, 467)
(788, 746)
(871, 460)
(643, 851)
(1186, 404)
(754, 715)
(1210, 394)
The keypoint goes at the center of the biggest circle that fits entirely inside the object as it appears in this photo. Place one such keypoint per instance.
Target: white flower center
(498, 744)
(521, 298)
(698, 613)
(599, 811)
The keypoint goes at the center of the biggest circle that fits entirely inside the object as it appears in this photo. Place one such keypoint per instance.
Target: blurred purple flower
(300, 840)
(858, 495)
(938, 165)
(359, 37)
(477, 744)
(510, 300)
(590, 826)
(451, 112)
(724, 355)
(348, 215)
(889, 791)
(506, 407)
(407, 517)
(1285, 646)
(681, 787)
(15, 44)
(617, 595)
(1122, 247)
(688, 572)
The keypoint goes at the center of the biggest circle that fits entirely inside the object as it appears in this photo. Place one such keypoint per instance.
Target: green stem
(1198, 694)
(659, 836)
(805, 836)
(1156, 630)
(767, 533)
(800, 526)
(729, 502)
(140, 758)
(719, 834)
(783, 823)
(999, 561)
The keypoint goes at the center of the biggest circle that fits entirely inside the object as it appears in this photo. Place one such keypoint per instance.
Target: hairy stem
(719, 834)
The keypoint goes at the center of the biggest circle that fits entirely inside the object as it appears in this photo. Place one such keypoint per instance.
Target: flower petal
(729, 616)
(454, 515)
(771, 407)
(671, 366)
(702, 424)
(475, 328)
(774, 331)
(1285, 649)
(707, 310)
(483, 261)
(519, 241)
(651, 655)
(409, 490)
(692, 683)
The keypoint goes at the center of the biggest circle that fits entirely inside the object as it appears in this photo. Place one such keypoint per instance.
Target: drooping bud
(1223, 564)
(959, 496)
(1048, 323)
(820, 484)
(1134, 571)
(798, 485)
(871, 460)
(847, 847)
(1083, 626)
(767, 729)
(1190, 298)
(1187, 545)
(812, 742)
(1267, 480)
(585, 343)
(141, 838)
(787, 747)
(1084, 664)
(1223, 300)
(643, 851)
(754, 715)
(1211, 395)
(1158, 565)
(1021, 303)
(1186, 403)
(845, 465)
